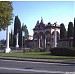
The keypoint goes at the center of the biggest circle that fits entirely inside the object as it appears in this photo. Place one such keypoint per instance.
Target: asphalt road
(28, 67)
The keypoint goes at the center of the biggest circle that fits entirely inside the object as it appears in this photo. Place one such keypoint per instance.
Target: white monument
(7, 50)
(17, 41)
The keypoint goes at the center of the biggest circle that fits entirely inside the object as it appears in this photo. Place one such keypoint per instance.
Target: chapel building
(44, 34)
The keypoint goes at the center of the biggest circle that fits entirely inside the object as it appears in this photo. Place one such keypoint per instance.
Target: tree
(63, 32)
(6, 14)
(74, 34)
(26, 33)
(24, 28)
(17, 29)
(70, 30)
(3, 41)
(11, 38)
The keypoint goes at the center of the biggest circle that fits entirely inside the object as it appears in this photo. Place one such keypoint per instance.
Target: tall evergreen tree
(63, 32)
(17, 29)
(11, 38)
(24, 28)
(74, 34)
(70, 30)
(26, 33)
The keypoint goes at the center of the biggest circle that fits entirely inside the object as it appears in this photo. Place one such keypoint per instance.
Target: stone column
(55, 38)
(39, 42)
(45, 42)
(7, 50)
(42, 42)
(17, 40)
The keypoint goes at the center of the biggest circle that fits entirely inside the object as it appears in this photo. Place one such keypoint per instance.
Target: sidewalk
(65, 61)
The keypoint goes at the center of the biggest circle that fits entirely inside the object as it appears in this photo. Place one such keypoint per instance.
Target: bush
(26, 50)
(38, 50)
(63, 51)
(34, 50)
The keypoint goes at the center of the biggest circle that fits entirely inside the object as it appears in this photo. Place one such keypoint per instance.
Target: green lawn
(36, 55)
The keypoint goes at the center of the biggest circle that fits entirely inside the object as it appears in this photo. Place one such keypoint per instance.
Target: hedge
(34, 50)
(63, 51)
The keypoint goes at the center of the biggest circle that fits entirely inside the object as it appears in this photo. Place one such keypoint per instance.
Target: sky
(29, 12)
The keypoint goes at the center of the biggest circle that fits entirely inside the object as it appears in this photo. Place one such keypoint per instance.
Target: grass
(45, 55)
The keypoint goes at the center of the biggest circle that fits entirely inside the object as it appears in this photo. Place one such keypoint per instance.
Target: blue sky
(51, 11)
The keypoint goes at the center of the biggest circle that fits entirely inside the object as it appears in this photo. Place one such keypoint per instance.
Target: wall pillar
(39, 42)
(55, 38)
(45, 42)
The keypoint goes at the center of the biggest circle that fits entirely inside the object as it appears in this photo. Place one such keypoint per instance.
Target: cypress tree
(17, 29)
(26, 33)
(74, 34)
(63, 32)
(11, 38)
(70, 30)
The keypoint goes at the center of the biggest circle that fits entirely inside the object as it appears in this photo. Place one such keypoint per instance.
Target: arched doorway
(47, 38)
(41, 39)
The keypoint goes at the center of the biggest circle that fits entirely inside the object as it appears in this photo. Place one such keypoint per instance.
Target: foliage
(25, 33)
(17, 29)
(34, 50)
(70, 30)
(74, 34)
(2, 42)
(5, 14)
(25, 30)
(11, 38)
(63, 32)
(26, 50)
(63, 51)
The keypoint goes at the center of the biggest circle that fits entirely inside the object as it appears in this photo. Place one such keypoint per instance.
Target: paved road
(27, 67)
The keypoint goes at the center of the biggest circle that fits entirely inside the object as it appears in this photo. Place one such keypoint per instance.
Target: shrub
(26, 50)
(63, 51)
(34, 50)
(38, 49)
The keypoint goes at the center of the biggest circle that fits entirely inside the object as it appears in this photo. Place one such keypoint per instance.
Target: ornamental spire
(41, 20)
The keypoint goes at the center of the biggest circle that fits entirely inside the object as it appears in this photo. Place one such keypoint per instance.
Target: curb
(35, 60)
